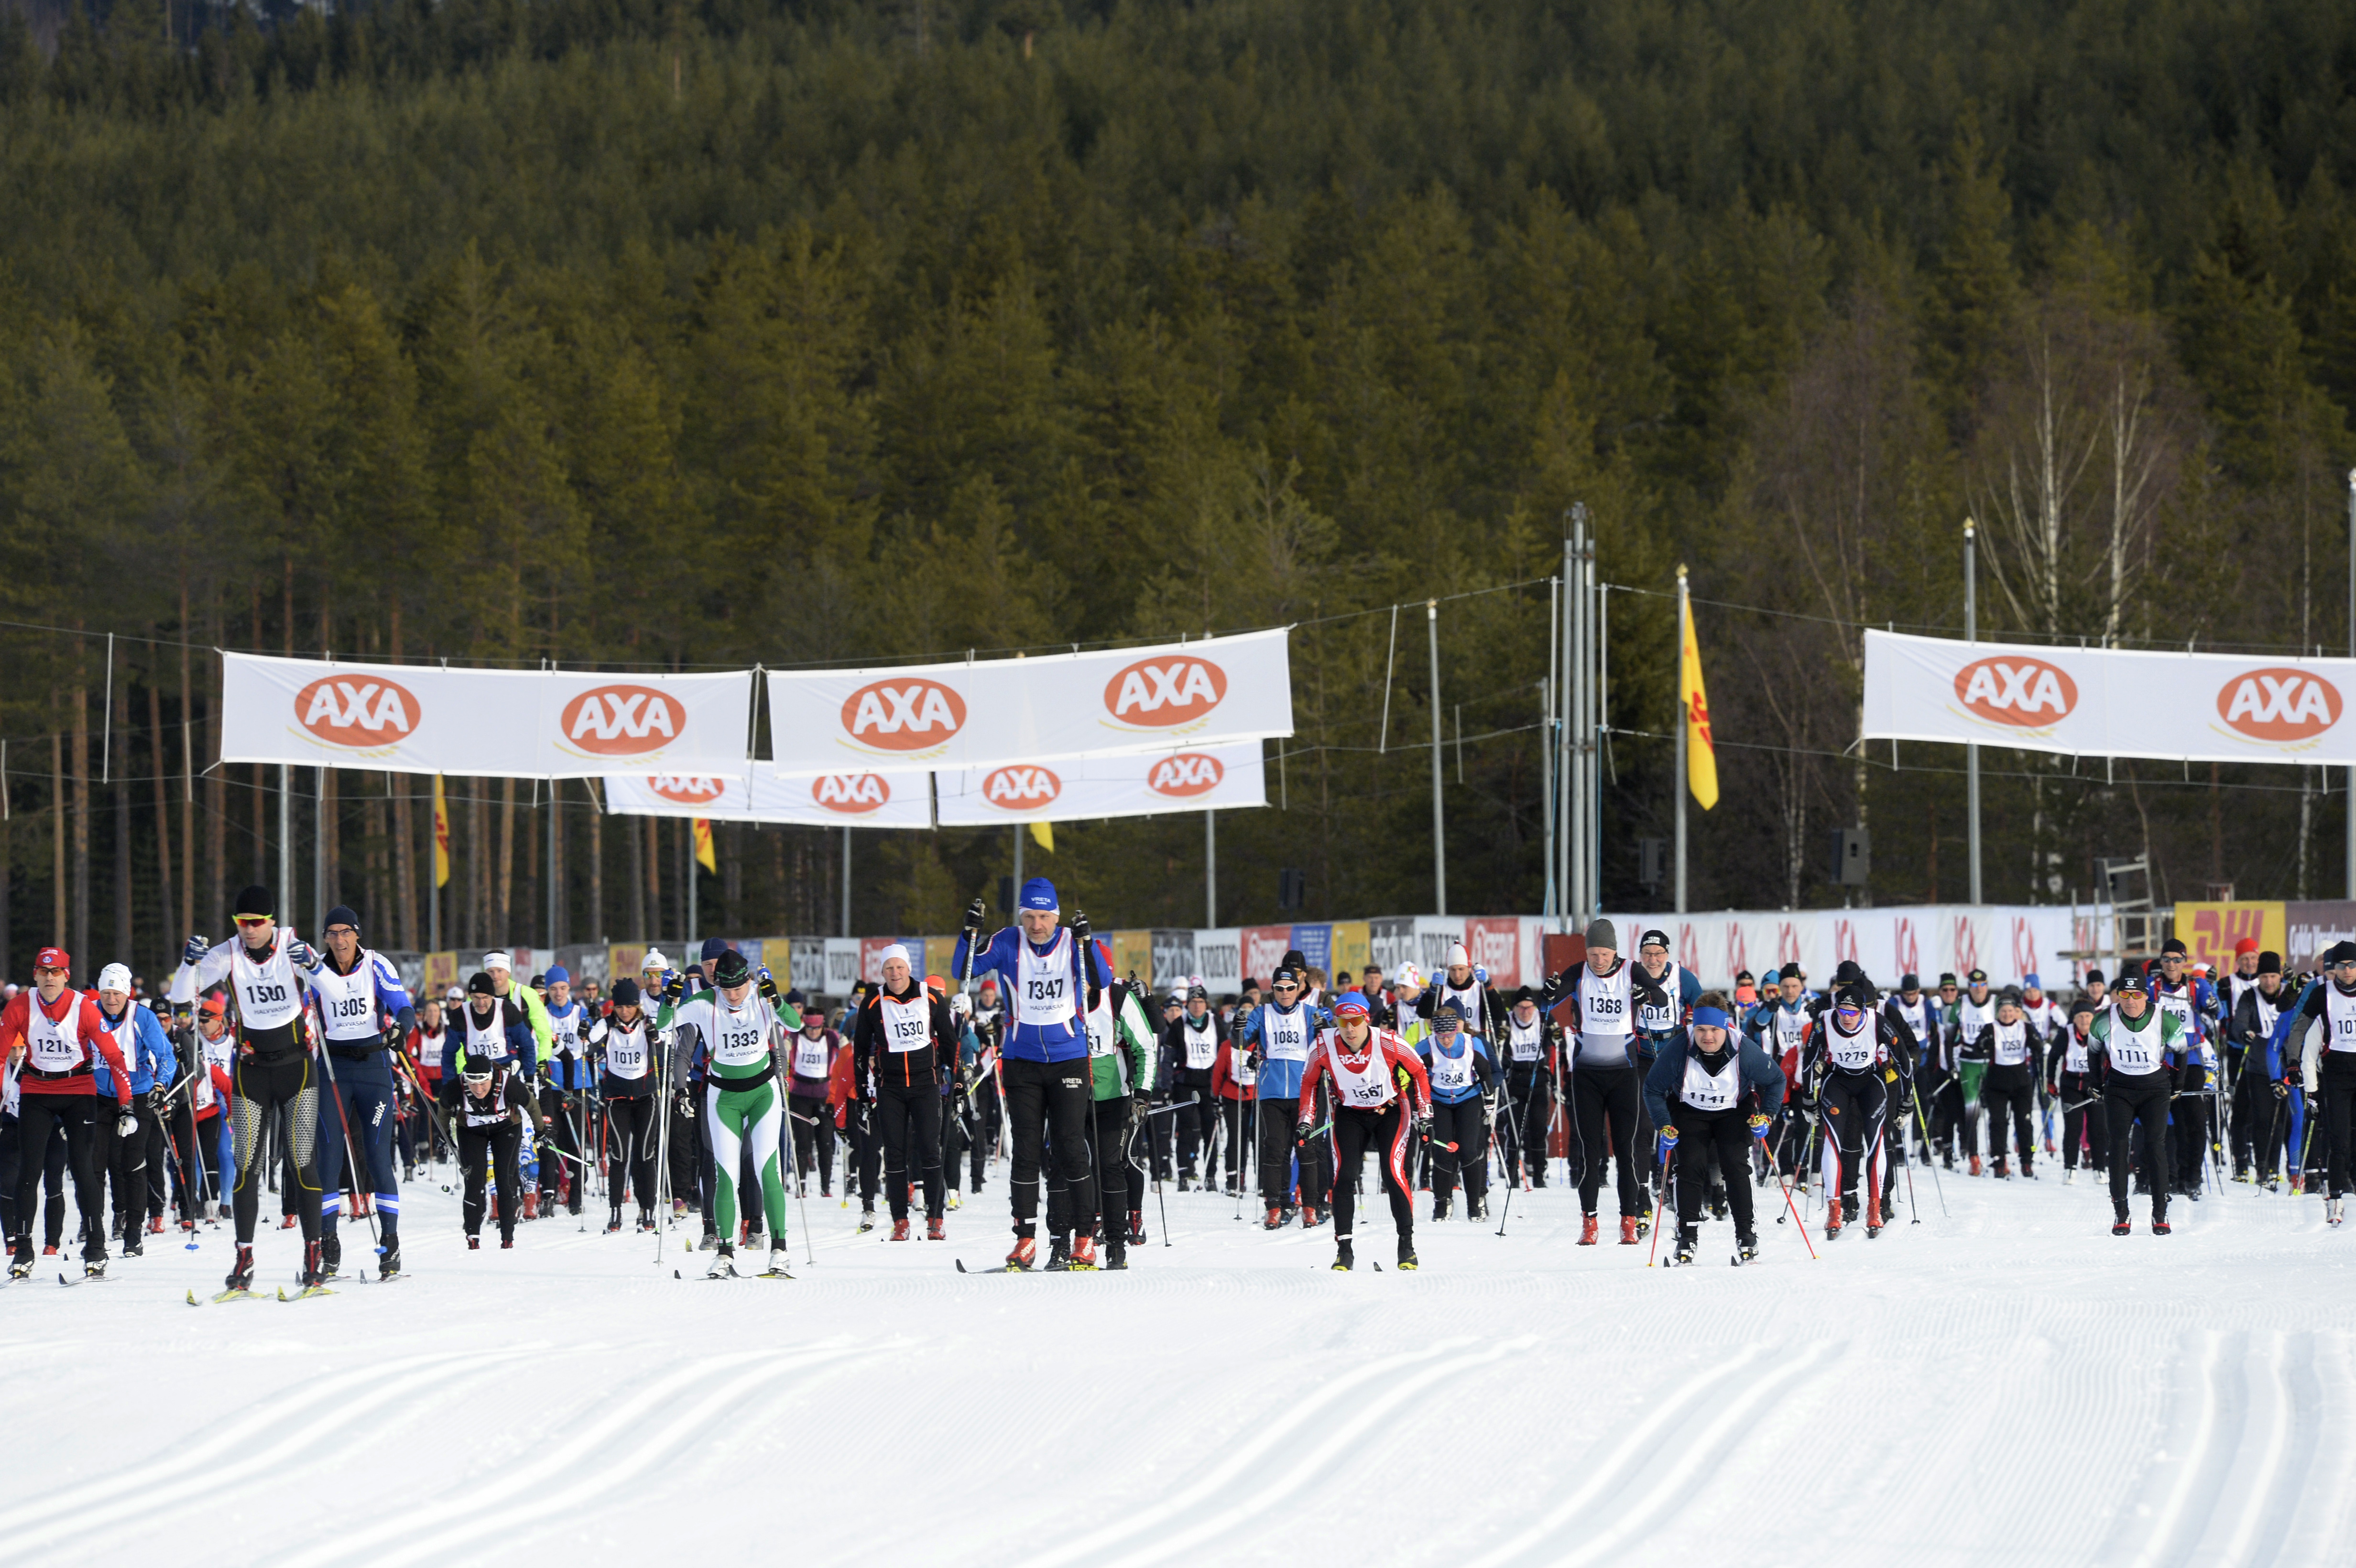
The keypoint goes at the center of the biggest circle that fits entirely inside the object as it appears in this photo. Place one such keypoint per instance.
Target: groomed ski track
(2010, 1386)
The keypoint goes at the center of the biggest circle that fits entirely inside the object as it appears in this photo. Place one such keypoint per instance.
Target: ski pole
(1660, 1197)
(1929, 1158)
(351, 1160)
(1798, 1223)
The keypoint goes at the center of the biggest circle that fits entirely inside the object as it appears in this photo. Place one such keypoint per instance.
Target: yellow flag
(441, 837)
(1043, 833)
(704, 857)
(1701, 756)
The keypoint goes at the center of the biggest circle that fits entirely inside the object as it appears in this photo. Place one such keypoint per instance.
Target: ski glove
(159, 1099)
(2282, 1088)
(973, 913)
(1668, 1140)
(674, 986)
(1080, 925)
(194, 953)
(769, 985)
(126, 1126)
(302, 955)
(1759, 1127)
(1481, 975)
(1140, 1107)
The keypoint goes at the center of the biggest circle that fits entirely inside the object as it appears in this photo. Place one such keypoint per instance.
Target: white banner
(2199, 708)
(829, 800)
(953, 717)
(2010, 941)
(495, 723)
(1137, 784)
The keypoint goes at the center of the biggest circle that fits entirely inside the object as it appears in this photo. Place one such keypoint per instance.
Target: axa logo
(1188, 773)
(853, 794)
(687, 789)
(1160, 692)
(1016, 788)
(349, 711)
(2018, 689)
(621, 720)
(902, 715)
(2278, 705)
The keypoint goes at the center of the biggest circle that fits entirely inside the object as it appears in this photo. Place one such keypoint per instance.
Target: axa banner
(956, 717)
(1134, 784)
(828, 800)
(497, 723)
(2197, 708)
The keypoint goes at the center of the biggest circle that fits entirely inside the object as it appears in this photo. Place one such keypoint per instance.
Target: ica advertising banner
(2109, 702)
(495, 723)
(954, 717)
(1131, 785)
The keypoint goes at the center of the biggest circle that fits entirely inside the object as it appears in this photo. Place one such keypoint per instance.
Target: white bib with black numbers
(1469, 999)
(2339, 1014)
(1525, 1042)
(200, 1088)
(2269, 1014)
(908, 1025)
(1973, 1017)
(486, 1042)
(1451, 1072)
(1852, 1052)
(810, 1056)
(740, 1036)
(1603, 1001)
(1284, 1036)
(1367, 1086)
(2011, 1048)
(429, 1047)
(2177, 1002)
(564, 1025)
(54, 1045)
(1660, 1018)
(347, 1002)
(2074, 1054)
(2134, 1052)
(629, 1050)
(1708, 1091)
(1201, 1037)
(1790, 1027)
(492, 1109)
(267, 993)
(1042, 983)
(1240, 1069)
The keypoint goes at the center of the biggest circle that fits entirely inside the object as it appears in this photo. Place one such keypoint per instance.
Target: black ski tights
(630, 1151)
(1604, 1102)
(1383, 1133)
(279, 1090)
(2130, 1102)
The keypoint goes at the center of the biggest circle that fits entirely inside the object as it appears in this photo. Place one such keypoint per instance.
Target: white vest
(2011, 1046)
(809, 1055)
(1364, 1088)
(737, 1036)
(1468, 997)
(429, 1047)
(2339, 1019)
(489, 1113)
(54, 1045)
(1708, 1091)
(629, 1048)
(2134, 1052)
(1661, 1016)
(267, 993)
(1284, 1036)
(1973, 1017)
(1603, 1001)
(1525, 1042)
(564, 1026)
(908, 1025)
(2074, 1054)
(1852, 1052)
(1451, 1072)
(347, 1002)
(2180, 1003)
(1043, 984)
(486, 1042)
(1201, 1038)
(1240, 1069)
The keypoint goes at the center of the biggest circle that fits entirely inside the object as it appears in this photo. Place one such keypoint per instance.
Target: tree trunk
(637, 900)
(507, 863)
(59, 832)
(80, 824)
(164, 912)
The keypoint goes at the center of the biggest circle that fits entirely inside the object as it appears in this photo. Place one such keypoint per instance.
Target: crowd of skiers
(706, 1091)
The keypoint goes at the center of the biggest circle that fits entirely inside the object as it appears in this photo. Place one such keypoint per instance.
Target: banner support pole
(1972, 750)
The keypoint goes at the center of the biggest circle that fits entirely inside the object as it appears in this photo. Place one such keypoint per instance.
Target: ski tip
(961, 1265)
(192, 1298)
(282, 1293)
(674, 1273)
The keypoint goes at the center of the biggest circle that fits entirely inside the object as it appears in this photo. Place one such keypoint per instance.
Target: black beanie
(480, 985)
(342, 914)
(254, 899)
(624, 992)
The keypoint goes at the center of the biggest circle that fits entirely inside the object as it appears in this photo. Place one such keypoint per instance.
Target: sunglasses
(253, 920)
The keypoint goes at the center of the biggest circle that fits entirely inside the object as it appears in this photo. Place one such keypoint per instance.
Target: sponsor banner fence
(808, 962)
(1132, 954)
(827, 800)
(423, 718)
(1134, 784)
(1218, 958)
(2109, 702)
(1173, 958)
(1350, 949)
(2298, 929)
(842, 954)
(2007, 941)
(979, 716)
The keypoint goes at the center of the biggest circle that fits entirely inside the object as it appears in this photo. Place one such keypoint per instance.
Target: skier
(1968, 1017)
(1464, 983)
(1380, 1098)
(742, 1105)
(1463, 1084)
(565, 1092)
(1533, 1051)
(493, 1069)
(1780, 1025)
(852, 1097)
(906, 1047)
(122, 1159)
(53, 1037)
(811, 1061)
(1191, 1041)
(1278, 1034)
(2070, 1080)
(2258, 1120)
(1920, 1017)
(2137, 1051)
(1235, 1086)
(1120, 1062)
(2014, 1050)
(1710, 1096)
(1605, 1089)
(276, 1076)
(2329, 1003)
(358, 991)
(625, 1041)
(1856, 1059)
(2184, 995)
(429, 1045)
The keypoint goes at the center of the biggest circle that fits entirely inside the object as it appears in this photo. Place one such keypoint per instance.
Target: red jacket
(17, 1019)
(1417, 1086)
(1223, 1077)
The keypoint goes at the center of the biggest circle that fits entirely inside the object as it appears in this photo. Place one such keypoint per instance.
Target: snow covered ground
(2008, 1386)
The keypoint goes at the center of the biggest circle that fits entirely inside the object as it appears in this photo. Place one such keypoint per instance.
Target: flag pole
(1685, 630)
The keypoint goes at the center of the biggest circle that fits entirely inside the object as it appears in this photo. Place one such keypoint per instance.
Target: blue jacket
(1280, 1079)
(1029, 1041)
(1485, 1072)
(1667, 1078)
(146, 1051)
(571, 1071)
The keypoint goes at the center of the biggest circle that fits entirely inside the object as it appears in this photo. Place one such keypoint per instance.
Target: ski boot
(1285, 1214)
(1873, 1223)
(614, 1222)
(2003, 1172)
(1849, 1208)
(1439, 1207)
(1832, 1220)
(387, 1257)
(1630, 1229)
(531, 1204)
(936, 1229)
(473, 1244)
(240, 1273)
(331, 1254)
(1136, 1228)
(1407, 1256)
(1084, 1254)
(866, 1218)
(1059, 1255)
(724, 1263)
(312, 1276)
(1345, 1259)
(2332, 1211)
(155, 1224)
(507, 1242)
(94, 1267)
(1587, 1229)
(954, 1200)
(711, 1239)
(1116, 1253)
(1477, 1208)
(131, 1244)
(1889, 1207)
(286, 1222)
(779, 1257)
(2159, 1226)
(900, 1228)
(1975, 1165)
(1025, 1253)
(2028, 1168)
(1684, 1252)
(20, 1257)
(1185, 1182)
(1312, 1217)
(1275, 1218)
(1748, 1244)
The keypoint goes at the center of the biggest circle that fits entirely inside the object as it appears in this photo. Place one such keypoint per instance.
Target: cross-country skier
(2074, 1086)
(429, 1046)
(1920, 1016)
(1191, 1042)
(2327, 1007)
(276, 1076)
(2184, 995)
(363, 1009)
(905, 1044)
(1969, 1018)
(1780, 1025)
(1533, 1051)
(564, 1090)
(493, 1069)
(810, 1061)
(1278, 1034)
(1710, 1096)
(1120, 1064)
(1606, 1091)
(53, 1036)
(2014, 1052)
(1857, 1058)
(1235, 1088)
(625, 1042)
(1380, 1099)
(2258, 1093)
(122, 1159)
(1463, 1084)
(2137, 1051)
(743, 1105)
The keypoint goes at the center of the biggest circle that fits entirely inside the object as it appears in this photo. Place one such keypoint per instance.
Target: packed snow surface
(2005, 1384)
